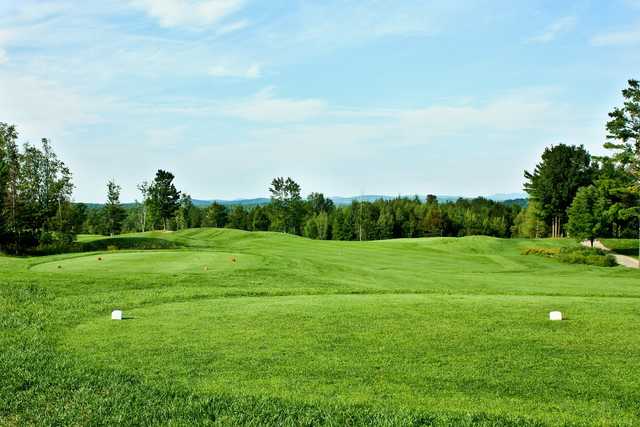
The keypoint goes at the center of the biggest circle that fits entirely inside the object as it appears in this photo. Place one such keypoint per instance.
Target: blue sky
(347, 97)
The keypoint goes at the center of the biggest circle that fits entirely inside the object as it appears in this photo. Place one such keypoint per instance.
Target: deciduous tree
(586, 215)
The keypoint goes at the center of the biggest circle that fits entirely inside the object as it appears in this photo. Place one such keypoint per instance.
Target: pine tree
(163, 197)
(114, 213)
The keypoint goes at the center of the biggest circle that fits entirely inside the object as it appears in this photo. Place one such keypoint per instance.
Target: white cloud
(514, 112)
(253, 71)
(336, 23)
(264, 107)
(164, 137)
(617, 38)
(173, 13)
(5, 38)
(30, 11)
(233, 26)
(559, 27)
(41, 108)
(393, 143)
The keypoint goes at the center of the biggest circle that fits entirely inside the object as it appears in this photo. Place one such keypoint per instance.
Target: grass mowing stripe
(409, 332)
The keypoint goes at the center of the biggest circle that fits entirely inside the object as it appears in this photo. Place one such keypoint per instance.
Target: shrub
(575, 255)
(541, 251)
(588, 256)
(583, 250)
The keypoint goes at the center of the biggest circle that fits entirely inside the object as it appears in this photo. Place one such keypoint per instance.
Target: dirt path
(627, 261)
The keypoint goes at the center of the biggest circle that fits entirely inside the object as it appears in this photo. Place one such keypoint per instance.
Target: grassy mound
(299, 332)
(165, 262)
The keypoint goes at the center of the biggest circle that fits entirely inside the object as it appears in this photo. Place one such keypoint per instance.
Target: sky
(346, 97)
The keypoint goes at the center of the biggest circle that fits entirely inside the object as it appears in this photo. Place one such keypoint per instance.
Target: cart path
(624, 260)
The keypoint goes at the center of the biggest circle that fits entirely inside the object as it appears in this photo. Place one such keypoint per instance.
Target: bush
(583, 250)
(575, 255)
(587, 256)
(541, 251)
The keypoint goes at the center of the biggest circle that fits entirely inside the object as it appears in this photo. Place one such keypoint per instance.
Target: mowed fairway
(150, 262)
(263, 328)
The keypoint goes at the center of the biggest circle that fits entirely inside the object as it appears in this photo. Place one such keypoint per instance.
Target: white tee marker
(555, 315)
(116, 315)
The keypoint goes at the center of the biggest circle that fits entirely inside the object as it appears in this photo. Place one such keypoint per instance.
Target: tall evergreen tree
(114, 213)
(163, 197)
(624, 138)
(556, 180)
(624, 131)
(238, 218)
(216, 216)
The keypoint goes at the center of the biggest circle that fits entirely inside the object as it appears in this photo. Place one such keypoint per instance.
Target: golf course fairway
(237, 328)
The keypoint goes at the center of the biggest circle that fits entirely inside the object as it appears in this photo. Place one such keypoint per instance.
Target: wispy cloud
(173, 13)
(553, 31)
(5, 37)
(617, 38)
(35, 105)
(233, 26)
(252, 71)
(337, 22)
(265, 107)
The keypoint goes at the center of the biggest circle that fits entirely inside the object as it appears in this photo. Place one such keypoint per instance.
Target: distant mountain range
(510, 198)
(341, 201)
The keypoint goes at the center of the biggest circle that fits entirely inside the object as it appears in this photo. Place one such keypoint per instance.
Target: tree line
(317, 217)
(35, 195)
(571, 193)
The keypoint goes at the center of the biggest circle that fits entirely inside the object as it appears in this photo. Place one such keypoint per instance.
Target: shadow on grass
(626, 251)
(120, 243)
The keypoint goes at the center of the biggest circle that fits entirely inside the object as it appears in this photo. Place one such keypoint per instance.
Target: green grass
(300, 332)
(622, 246)
(88, 237)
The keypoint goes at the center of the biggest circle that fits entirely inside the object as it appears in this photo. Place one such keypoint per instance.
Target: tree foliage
(586, 214)
(287, 205)
(163, 197)
(556, 180)
(624, 132)
(36, 189)
(114, 213)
